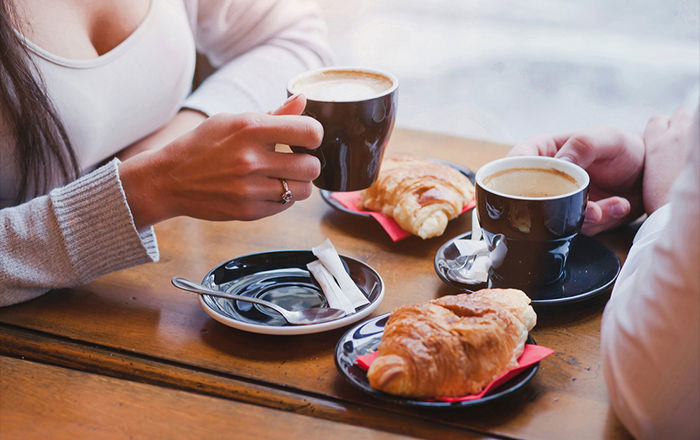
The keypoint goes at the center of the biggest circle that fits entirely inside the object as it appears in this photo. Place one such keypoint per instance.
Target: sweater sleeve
(70, 237)
(256, 46)
(650, 335)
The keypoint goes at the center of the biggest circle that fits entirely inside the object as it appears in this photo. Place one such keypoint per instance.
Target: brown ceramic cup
(530, 208)
(357, 108)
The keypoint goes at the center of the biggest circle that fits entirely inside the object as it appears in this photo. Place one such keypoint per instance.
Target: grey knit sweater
(70, 237)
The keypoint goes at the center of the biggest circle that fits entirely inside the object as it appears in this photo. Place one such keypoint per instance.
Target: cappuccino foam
(342, 85)
(532, 182)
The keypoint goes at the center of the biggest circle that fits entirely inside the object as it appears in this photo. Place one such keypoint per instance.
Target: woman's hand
(225, 169)
(614, 161)
(667, 141)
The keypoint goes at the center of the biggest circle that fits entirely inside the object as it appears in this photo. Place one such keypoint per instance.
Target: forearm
(72, 236)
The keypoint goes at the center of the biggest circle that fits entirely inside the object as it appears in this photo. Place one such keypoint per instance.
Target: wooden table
(129, 355)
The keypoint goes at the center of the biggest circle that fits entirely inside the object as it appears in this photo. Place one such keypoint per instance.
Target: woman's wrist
(142, 180)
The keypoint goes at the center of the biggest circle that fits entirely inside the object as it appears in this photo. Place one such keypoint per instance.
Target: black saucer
(283, 278)
(590, 270)
(365, 337)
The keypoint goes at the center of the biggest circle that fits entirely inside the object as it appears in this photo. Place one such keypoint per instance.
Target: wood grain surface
(43, 401)
(138, 313)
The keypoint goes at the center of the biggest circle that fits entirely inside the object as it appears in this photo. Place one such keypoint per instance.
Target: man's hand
(615, 162)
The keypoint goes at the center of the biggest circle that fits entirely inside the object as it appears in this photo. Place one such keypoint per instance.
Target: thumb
(294, 105)
(578, 149)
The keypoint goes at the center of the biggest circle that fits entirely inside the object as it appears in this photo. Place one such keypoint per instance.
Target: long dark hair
(42, 142)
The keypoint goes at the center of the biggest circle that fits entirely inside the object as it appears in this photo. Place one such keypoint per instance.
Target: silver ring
(286, 193)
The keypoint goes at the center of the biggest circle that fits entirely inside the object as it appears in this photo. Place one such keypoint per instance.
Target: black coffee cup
(357, 108)
(530, 209)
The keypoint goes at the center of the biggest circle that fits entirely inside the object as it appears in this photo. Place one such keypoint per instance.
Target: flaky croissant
(421, 195)
(452, 346)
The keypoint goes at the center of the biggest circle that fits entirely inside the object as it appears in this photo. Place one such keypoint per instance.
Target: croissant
(452, 346)
(420, 195)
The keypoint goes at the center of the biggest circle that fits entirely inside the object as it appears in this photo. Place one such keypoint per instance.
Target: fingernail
(619, 210)
(292, 98)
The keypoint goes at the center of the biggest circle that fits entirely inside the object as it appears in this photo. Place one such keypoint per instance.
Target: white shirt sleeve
(256, 46)
(650, 335)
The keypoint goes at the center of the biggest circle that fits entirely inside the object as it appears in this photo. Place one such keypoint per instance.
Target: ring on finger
(286, 192)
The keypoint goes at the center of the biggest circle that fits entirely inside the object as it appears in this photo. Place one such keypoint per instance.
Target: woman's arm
(89, 227)
(70, 237)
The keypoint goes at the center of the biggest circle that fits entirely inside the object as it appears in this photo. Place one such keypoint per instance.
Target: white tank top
(107, 103)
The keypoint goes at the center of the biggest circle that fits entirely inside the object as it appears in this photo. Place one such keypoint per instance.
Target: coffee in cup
(531, 182)
(357, 108)
(530, 208)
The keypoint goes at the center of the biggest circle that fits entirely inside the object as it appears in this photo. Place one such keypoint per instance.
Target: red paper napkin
(349, 200)
(531, 355)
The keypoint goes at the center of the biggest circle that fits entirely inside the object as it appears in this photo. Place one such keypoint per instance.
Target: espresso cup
(357, 108)
(530, 208)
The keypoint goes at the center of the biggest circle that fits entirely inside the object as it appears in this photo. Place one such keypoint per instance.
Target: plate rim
(538, 302)
(293, 329)
(526, 374)
(326, 194)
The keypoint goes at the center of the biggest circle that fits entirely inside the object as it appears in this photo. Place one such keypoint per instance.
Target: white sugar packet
(335, 297)
(476, 227)
(331, 260)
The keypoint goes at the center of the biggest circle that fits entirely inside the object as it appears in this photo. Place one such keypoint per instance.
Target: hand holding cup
(225, 169)
(614, 160)
(357, 108)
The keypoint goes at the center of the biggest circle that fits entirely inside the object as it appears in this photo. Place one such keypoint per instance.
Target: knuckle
(582, 143)
(246, 161)
(617, 137)
(248, 123)
(241, 190)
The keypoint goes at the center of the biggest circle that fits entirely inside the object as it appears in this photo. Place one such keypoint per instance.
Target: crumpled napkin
(531, 355)
(350, 199)
(474, 261)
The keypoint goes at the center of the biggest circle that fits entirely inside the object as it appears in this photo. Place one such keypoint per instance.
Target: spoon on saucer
(314, 315)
